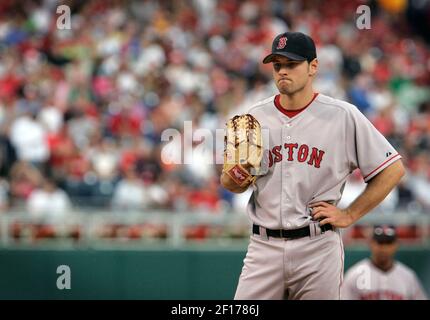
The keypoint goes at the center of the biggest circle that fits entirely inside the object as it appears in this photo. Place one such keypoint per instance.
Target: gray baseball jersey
(310, 156)
(364, 281)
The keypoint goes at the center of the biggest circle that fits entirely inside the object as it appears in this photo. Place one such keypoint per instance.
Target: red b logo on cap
(282, 43)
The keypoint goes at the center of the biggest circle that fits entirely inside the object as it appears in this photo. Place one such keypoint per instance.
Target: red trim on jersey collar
(291, 113)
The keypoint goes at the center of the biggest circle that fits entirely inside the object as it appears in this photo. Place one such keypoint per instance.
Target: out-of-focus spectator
(104, 157)
(205, 199)
(51, 118)
(24, 178)
(4, 192)
(49, 203)
(7, 156)
(419, 180)
(62, 149)
(129, 70)
(355, 185)
(82, 127)
(130, 193)
(28, 136)
(148, 164)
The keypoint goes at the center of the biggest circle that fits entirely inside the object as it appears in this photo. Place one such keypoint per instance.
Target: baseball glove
(243, 151)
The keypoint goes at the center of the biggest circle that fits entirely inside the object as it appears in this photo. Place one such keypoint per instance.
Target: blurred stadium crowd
(82, 110)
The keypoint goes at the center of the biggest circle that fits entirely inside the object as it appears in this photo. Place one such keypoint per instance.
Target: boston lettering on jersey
(382, 295)
(301, 153)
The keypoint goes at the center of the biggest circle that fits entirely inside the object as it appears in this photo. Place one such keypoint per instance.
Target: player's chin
(282, 86)
(284, 89)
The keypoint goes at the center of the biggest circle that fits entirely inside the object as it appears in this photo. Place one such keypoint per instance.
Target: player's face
(292, 76)
(383, 253)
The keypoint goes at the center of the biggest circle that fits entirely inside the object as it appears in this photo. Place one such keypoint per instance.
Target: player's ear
(313, 67)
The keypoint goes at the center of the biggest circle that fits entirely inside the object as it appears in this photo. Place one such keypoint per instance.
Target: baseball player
(381, 277)
(315, 142)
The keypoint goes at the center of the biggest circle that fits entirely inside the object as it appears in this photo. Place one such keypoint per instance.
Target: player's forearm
(376, 191)
(230, 185)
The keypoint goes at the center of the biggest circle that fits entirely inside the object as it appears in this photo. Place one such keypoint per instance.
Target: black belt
(290, 234)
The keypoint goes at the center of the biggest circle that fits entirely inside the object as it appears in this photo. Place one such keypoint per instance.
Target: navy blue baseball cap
(293, 45)
(384, 233)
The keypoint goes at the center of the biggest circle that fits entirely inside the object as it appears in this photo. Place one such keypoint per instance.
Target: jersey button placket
(286, 177)
(287, 174)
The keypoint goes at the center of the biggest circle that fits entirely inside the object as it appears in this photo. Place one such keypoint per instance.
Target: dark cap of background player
(384, 233)
(293, 45)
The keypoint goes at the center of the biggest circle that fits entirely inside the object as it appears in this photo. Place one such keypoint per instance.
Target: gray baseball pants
(299, 269)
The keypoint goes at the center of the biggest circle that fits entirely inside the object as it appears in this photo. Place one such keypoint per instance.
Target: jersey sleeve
(417, 290)
(367, 149)
(348, 290)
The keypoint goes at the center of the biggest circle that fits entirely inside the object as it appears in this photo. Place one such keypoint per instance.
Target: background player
(315, 142)
(382, 277)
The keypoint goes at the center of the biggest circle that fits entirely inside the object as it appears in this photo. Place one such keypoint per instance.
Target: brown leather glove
(243, 150)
